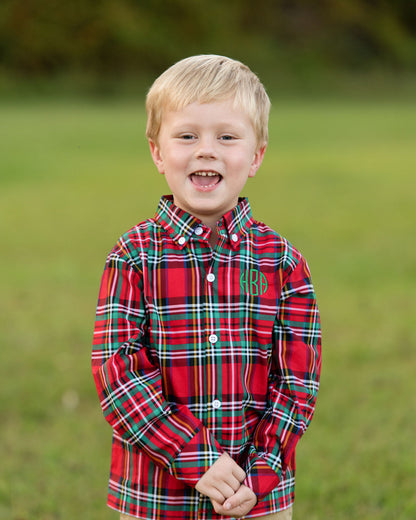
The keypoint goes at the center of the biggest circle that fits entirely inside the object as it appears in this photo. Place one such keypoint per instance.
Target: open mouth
(206, 180)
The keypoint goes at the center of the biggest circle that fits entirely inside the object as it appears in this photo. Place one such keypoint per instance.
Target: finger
(239, 473)
(240, 500)
(218, 508)
(234, 483)
(216, 496)
(226, 490)
(234, 513)
(221, 510)
(232, 503)
(211, 491)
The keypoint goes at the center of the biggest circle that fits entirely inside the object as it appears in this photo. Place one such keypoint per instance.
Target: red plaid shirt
(199, 352)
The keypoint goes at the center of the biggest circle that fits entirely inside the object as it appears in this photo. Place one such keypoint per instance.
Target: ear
(156, 156)
(257, 160)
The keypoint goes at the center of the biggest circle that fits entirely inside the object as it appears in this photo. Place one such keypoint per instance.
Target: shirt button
(199, 231)
(234, 237)
(213, 338)
(211, 277)
(216, 403)
(182, 240)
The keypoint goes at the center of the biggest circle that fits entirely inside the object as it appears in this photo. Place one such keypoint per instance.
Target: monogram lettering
(253, 282)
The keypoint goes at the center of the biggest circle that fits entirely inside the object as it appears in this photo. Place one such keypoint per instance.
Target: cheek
(175, 160)
(244, 165)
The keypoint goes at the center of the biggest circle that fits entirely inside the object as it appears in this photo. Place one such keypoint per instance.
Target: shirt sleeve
(293, 383)
(129, 382)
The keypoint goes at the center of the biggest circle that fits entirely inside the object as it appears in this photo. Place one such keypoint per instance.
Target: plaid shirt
(199, 352)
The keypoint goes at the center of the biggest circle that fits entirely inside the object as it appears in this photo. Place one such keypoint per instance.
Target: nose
(206, 149)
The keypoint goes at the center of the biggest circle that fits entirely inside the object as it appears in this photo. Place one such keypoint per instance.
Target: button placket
(213, 274)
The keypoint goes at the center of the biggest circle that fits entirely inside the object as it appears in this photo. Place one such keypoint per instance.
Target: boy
(207, 342)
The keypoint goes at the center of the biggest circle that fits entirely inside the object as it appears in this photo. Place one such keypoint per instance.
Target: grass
(338, 181)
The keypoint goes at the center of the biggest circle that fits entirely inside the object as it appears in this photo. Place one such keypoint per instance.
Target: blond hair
(206, 79)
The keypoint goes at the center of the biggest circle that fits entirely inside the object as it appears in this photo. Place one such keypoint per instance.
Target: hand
(222, 479)
(241, 503)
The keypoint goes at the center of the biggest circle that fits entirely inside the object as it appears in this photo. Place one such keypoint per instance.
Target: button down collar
(199, 231)
(238, 221)
(180, 224)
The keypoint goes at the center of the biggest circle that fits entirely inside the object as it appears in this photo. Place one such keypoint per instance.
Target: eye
(227, 137)
(187, 137)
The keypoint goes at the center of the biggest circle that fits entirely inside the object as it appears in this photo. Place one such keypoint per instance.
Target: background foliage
(105, 38)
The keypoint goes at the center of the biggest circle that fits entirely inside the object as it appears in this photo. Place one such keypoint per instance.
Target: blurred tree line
(132, 37)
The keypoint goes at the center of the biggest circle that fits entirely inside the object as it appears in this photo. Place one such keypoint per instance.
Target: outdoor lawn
(338, 181)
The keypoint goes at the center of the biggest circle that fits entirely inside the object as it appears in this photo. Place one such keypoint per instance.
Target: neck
(212, 224)
(213, 238)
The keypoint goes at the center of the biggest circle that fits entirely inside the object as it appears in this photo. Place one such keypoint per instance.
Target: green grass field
(338, 181)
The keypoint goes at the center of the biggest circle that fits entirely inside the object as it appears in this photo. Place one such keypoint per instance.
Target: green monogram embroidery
(253, 282)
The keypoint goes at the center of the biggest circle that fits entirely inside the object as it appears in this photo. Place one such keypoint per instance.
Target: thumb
(240, 498)
(232, 502)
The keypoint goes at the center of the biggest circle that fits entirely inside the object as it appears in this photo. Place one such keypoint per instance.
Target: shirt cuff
(198, 455)
(261, 478)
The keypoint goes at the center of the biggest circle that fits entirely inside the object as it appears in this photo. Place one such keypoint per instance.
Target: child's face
(207, 152)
